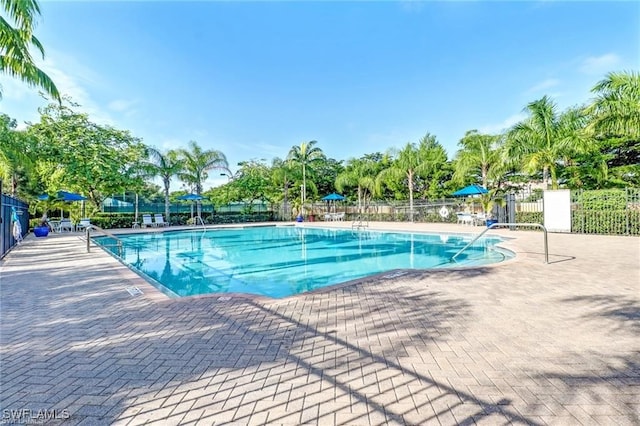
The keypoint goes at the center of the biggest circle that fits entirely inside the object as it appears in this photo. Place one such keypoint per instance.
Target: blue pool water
(283, 261)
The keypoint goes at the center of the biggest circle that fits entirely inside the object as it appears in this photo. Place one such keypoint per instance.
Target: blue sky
(254, 78)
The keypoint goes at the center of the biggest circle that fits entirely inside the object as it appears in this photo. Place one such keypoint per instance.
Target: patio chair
(464, 218)
(84, 223)
(480, 219)
(66, 225)
(339, 216)
(147, 221)
(159, 220)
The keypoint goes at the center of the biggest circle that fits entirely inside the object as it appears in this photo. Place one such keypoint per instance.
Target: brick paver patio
(517, 343)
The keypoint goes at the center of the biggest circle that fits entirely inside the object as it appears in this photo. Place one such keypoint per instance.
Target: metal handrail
(498, 225)
(89, 227)
(201, 221)
(358, 223)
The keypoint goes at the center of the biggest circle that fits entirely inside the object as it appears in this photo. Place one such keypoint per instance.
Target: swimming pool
(283, 261)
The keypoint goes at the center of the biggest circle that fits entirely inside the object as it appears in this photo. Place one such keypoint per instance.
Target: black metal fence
(7, 203)
(606, 211)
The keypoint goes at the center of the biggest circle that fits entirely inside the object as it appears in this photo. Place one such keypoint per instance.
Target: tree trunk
(545, 176)
(135, 216)
(166, 201)
(411, 196)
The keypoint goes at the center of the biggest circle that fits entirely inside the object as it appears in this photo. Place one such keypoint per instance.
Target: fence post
(511, 210)
(627, 201)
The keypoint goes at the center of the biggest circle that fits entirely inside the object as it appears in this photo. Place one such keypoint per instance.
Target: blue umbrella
(70, 196)
(333, 197)
(470, 190)
(191, 197)
(43, 197)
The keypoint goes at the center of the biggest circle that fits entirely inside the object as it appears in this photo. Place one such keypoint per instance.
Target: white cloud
(72, 78)
(600, 64)
(544, 85)
(500, 127)
(123, 106)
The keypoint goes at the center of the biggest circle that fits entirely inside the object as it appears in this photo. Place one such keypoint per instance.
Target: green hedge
(530, 217)
(603, 199)
(620, 222)
(125, 220)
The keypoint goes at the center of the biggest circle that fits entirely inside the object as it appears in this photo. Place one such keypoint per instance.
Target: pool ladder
(511, 225)
(201, 222)
(359, 223)
(107, 233)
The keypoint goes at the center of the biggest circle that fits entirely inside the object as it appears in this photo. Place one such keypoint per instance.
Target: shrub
(619, 222)
(603, 199)
(530, 217)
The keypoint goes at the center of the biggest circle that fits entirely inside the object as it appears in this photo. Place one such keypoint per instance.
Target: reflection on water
(282, 261)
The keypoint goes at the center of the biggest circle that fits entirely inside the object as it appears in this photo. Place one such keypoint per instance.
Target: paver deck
(517, 343)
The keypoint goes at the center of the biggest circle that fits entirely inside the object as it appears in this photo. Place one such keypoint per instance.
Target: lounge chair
(159, 220)
(66, 225)
(480, 219)
(84, 223)
(465, 218)
(147, 221)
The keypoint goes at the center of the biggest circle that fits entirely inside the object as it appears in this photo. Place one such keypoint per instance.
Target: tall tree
(305, 155)
(615, 124)
(478, 154)
(17, 39)
(252, 181)
(165, 166)
(76, 154)
(325, 174)
(282, 177)
(410, 162)
(15, 160)
(546, 138)
(196, 163)
(616, 107)
(359, 173)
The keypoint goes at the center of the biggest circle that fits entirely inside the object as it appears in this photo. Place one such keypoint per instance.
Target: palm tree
(478, 154)
(305, 155)
(15, 59)
(409, 163)
(361, 174)
(282, 177)
(196, 163)
(546, 138)
(616, 108)
(615, 125)
(164, 165)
